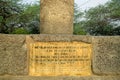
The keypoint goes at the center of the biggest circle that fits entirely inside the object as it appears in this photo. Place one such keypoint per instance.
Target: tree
(9, 9)
(96, 20)
(15, 15)
(114, 7)
(29, 18)
(78, 29)
(20, 31)
(99, 20)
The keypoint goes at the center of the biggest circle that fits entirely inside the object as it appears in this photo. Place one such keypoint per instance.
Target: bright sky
(82, 4)
(30, 1)
(86, 4)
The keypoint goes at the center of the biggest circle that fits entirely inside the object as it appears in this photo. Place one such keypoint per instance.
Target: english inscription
(60, 58)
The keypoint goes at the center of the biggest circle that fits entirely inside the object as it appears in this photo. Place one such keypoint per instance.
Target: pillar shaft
(56, 16)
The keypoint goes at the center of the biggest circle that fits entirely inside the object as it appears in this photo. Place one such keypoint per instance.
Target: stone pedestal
(15, 57)
(56, 16)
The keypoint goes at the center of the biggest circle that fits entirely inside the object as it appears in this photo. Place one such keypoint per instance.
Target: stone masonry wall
(14, 56)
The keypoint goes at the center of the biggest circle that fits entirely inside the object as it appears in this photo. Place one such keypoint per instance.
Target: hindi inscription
(60, 58)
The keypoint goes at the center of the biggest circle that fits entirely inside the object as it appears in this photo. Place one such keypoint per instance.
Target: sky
(30, 1)
(86, 4)
(82, 4)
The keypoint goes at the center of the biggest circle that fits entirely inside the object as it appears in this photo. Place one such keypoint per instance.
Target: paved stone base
(62, 78)
(14, 56)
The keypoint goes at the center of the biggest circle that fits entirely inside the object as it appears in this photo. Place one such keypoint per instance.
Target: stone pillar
(56, 16)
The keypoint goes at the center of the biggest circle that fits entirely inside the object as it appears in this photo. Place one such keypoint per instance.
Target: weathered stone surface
(106, 55)
(13, 55)
(62, 78)
(13, 52)
(57, 38)
(56, 16)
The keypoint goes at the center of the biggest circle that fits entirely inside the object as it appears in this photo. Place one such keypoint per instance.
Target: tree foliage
(20, 31)
(30, 18)
(15, 15)
(101, 19)
(78, 29)
(9, 9)
(114, 7)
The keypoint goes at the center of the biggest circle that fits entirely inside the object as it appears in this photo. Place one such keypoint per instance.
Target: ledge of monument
(61, 78)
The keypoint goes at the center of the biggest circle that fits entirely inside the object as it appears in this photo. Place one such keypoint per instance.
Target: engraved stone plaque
(60, 58)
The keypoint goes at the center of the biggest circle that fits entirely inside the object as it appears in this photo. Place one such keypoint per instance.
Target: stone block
(13, 55)
(106, 55)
